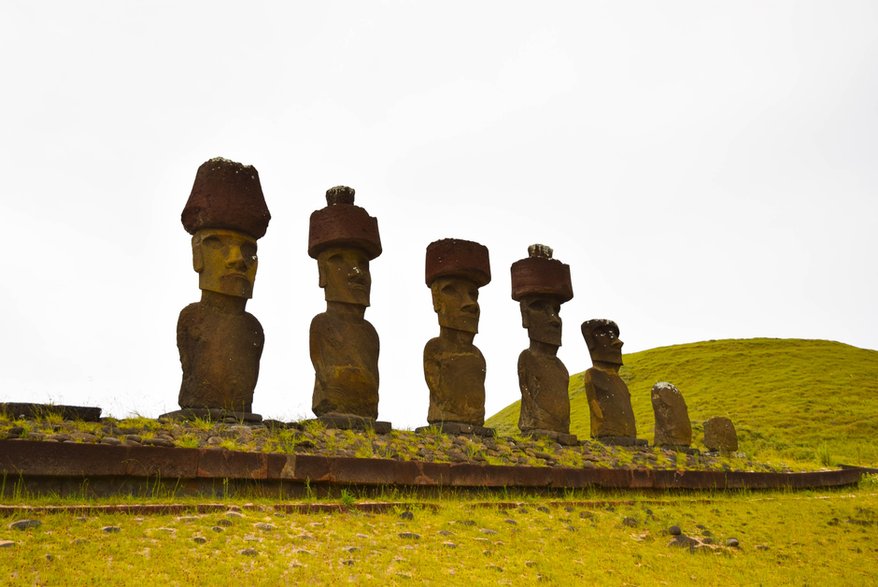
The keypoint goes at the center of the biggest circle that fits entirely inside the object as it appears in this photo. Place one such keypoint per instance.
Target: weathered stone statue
(612, 419)
(454, 367)
(672, 426)
(343, 238)
(220, 343)
(541, 284)
(720, 435)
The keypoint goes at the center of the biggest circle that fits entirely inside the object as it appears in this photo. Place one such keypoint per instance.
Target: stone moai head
(541, 284)
(343, 238)
(455, 270)
(226, 214)
(602, 338)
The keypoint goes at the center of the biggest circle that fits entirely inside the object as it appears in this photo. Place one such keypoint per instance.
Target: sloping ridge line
(27, 459)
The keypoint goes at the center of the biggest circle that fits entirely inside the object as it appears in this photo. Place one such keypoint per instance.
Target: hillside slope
(801, 399)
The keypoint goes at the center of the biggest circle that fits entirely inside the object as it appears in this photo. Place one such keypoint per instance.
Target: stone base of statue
(213, 415)
(679, 448)
(457, 428)
(352, 422)
(621, 441)
(559, 437)
(32, 411)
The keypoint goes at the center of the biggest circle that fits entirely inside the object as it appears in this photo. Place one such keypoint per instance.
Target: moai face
(603, 342)
(225, 261)
(344, 275)
(456, 300)
(540, 315)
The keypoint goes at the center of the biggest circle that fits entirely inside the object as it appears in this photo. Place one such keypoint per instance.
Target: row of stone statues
(221, 344)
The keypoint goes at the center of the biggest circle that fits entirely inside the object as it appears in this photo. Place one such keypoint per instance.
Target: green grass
(824, 538)
(803, 400)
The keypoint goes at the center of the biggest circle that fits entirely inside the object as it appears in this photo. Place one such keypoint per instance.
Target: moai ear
(434, 291)
(197, 255)
(524, 322)
(321, 272)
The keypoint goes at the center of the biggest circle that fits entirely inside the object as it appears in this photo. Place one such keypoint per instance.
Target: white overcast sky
(708, 170)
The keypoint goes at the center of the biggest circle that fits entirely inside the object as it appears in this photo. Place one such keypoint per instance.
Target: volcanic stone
(720, 435)
(672, 425)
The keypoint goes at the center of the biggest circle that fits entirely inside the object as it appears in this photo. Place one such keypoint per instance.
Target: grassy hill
(797, 399)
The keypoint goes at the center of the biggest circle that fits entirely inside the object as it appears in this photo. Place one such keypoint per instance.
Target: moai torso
(455, 375)
(219, 353)
(344, 352)
(610, 404)
(545, 404)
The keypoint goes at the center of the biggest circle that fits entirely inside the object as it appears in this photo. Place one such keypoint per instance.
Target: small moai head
(541, 284)
(226, 214)
(343, 238)
(602, 338)
(455, 270)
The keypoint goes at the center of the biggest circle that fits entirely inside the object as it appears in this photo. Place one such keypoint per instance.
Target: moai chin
(540, 284)
(673, 429)
(612, 418)
(454, 367)
(344, 346)
(220, 343)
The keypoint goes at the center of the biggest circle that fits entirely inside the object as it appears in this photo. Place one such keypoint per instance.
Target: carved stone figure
(220, 343)
(672, 426)
(454, 367)
(720, 435)
(343, 238)
(541, 284)
(612, 418)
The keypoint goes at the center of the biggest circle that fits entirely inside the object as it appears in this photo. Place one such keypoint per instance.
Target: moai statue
(220, 343)
(541, 284)
(612, 419)
(343, 238)
(454, 368)
(720, 435)
(672, 426)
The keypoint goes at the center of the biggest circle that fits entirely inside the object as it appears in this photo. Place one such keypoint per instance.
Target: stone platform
(66, 468)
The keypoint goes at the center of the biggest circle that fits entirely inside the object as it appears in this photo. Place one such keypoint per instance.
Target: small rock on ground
(409, 535)
(25, 524)
(732, 543)
(111, 529)
(248, 552)
(199, 539)
(6, 543)
(674, 531)
(407, 515)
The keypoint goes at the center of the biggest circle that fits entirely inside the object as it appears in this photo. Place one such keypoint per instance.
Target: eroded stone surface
(720, 435)
(609, 400)
(672, 425)
(454, 368)
(541, 284)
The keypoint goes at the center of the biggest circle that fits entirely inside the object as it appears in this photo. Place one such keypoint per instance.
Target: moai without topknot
(541, 284)
(344, 346)
(220, 343)
(454, 367)
(609, 401)
(673, 430)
